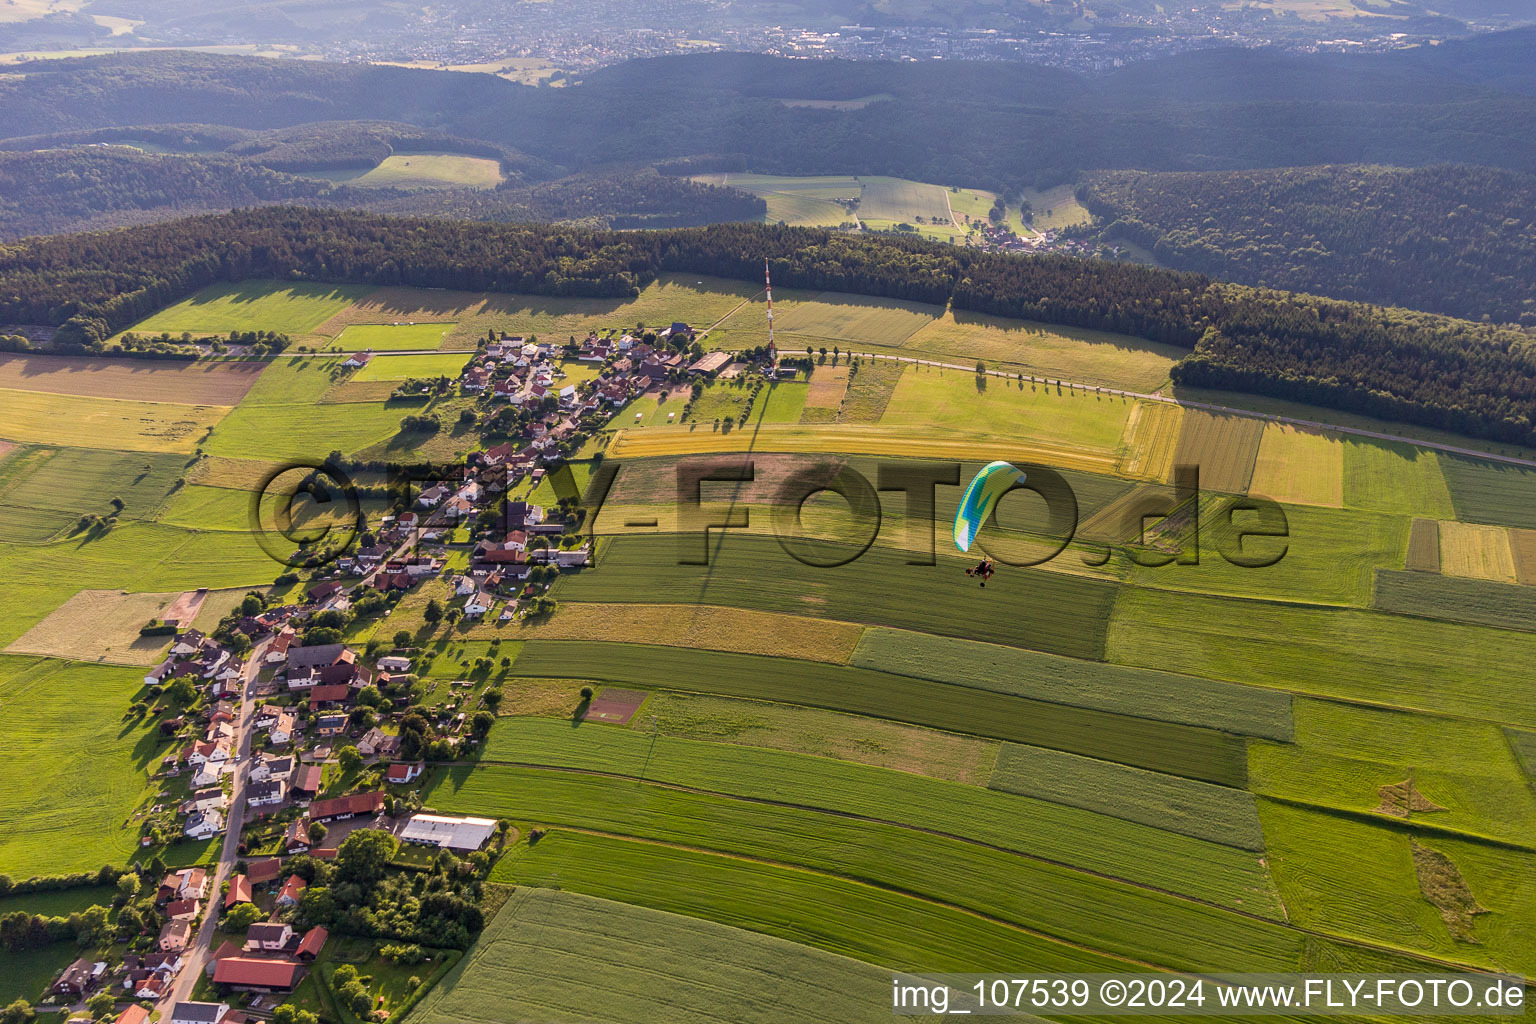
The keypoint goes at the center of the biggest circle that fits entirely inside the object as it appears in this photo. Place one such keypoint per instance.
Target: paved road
(1209, 407)
(196, 956)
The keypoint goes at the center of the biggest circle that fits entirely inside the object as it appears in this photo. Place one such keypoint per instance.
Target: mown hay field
(1491, 492)
(870, 390)
(806, 730)
(299, 432)
(390, 368)
(99, 625)
(837, 317)
(1223, 447)
(555, 956)
(706, 627)
(1217, 814)
(392, 337)
(828, 386)
(292, 309)
(44, 490)
(1477, 552)
(1056, 900)
(1523, 544)
(898, 199)
(1344, 754)
(204, 382)
(1398, 478)
(958, 401)
(1151, 439)
(423, 170)
(1159, 695)
(119, 424)
(1057, 832)
(1356, 879)
(1423, 546)
(1299, 467)
(87, 767)
(1043, 610)
(1455, 599)
(1333, 652)
(1180, 749)
(806, 201)
(837, 915)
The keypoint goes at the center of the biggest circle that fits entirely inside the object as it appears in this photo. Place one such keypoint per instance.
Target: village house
(266, 794)
(269, 766)
(358, 359)
(255, 974)
(327, 726)
(378, 743)
(283, 727)
(288, 895)
(187, 883)
(400, 774)
(306, 781)
(264, 871)
(347, 806)
(268, 936)
(239, 891)
(181, 910)
(79, 978)
(204, 825)
(198, 1013)
(174, 936)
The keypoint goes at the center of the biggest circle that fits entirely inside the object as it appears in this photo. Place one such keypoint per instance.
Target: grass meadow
(391, 337)
(423, 170)
(388, 367)
(292, 309)
(1433, 596)
(37, 417)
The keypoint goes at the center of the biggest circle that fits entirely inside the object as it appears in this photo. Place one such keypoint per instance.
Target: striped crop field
(1456, 599)
(1496, 493)
(1151, 441)
(1423, 546)
(1477, 552)
(1299, 466)
(1161, 746)
(1224, 871)
(1223, 446)
(1402, 479)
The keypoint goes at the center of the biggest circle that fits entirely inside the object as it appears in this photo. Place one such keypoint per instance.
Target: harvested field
(1223, 446)
(735, 791)
(1180, 749)
(1456, 599)
(802, 730)
(1398, 478)
(1164, 696)
(43, 418)
(560, 956)
(1299, 466)
(349, 391)
(551, 698)
(1200, 810)
(615, 706)
(878, 440)
(828, 386)
(185, 607)
(1522, 544)
(236, 474)
(1151, 439)
(841, 318)
(204, 382)
(99, 626)
(708, 627)
(1424, 546)
(1477, 552)
(1491, 492)
(1045, 610)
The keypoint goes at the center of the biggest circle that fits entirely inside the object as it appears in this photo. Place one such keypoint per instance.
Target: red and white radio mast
(773, 352)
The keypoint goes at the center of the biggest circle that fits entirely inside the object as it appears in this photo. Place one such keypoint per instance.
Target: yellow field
(1303, 467)
(239, 474)
(1523, 543)
(859, 440)
(828, 386)
(1151, 439)
(101, 626)
(686, 625)
(1480, 552)
(422, 171)
(1043, 350)
(114, 423)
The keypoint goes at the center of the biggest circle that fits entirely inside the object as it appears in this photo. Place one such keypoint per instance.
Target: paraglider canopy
(989, 484)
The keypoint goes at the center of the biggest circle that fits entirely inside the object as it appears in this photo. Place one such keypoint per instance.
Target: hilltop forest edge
(1475, 379)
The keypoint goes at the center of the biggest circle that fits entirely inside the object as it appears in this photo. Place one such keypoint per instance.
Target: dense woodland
(1415, 367)
(1448, 239)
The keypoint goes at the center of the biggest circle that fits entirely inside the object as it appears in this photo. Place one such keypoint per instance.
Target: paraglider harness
(984, 569)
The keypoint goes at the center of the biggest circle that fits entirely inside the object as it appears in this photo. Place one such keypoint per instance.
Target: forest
(1447, 239)
(1479, 379)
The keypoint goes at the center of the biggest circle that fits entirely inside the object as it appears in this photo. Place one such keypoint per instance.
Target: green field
(254, 306)
(1161, 746)
(1197, 809)
(1353, 655)
(811, 202)
(37, 417)
(1491, 492)
(1454, 599)
(1395, 478)
(43, 491)
(390, 337)
(561, 956)
(403, 367)
(67, 722)
(1141, 853)
(1345, 754)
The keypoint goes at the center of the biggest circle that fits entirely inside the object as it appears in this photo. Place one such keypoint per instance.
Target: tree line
(1478, 379)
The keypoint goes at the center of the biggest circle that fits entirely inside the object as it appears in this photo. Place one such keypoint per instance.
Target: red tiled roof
(313, 940)
(292, 887)
(241, 970)
(330, 692)
(226, 950)
(261, 871)
(239, 891)
(135, 1014)
(307, 779)
(357, 803)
